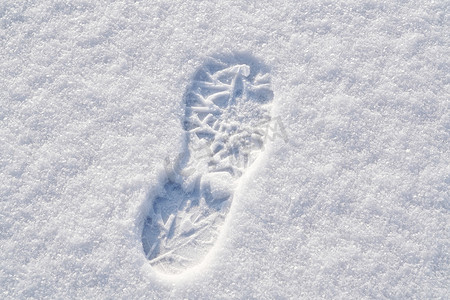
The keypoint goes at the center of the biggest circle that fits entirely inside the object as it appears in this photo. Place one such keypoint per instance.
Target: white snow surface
(355, 204)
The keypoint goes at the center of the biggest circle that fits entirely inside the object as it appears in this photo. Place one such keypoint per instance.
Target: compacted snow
(348, 196)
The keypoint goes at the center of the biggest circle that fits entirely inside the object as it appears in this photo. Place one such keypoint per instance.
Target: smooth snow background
(356, 204)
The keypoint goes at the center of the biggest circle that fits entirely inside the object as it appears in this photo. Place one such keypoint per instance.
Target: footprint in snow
(227, 109)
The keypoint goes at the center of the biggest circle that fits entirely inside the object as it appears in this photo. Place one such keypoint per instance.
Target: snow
(354, 203)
